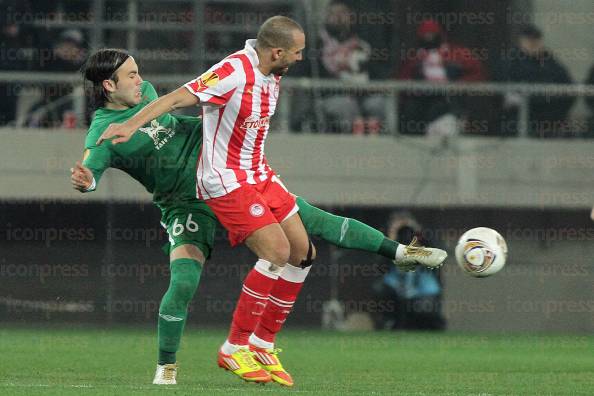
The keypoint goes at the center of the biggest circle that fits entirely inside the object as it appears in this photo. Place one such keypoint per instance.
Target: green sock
(344, 232)
(388, 248)
(185, 274)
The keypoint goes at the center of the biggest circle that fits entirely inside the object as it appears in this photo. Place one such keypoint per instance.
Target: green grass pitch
(121, 361)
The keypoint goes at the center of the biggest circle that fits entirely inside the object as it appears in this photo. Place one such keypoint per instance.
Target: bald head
(278, 32)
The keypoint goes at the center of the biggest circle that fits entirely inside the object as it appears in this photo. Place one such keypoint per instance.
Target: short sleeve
(216, 86)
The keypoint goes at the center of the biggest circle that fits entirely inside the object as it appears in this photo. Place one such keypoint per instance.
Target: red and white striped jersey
(237, 103)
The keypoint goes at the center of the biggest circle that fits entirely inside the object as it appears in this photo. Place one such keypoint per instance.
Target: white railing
(390, 88)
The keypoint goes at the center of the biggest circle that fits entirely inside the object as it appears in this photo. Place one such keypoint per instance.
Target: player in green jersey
(162, 156)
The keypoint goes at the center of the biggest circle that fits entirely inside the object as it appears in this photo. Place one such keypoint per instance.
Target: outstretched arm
(177, 99)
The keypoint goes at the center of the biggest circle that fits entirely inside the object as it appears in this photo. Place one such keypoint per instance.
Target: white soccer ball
(481, 252)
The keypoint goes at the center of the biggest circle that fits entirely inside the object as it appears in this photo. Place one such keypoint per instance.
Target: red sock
(252, 301)
(280, 302)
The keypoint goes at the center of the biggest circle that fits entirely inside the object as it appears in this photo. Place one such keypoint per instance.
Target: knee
(184, 289)
(305, 257)
(184, 286)
(279, 253)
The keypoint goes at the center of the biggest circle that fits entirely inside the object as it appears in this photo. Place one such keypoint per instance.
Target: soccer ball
(481, 252)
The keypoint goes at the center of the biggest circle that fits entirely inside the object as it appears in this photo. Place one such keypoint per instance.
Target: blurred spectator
(531, 62)
(345, 56)
(56, 108)
(416, 295)
(68, 52)
(436, 60)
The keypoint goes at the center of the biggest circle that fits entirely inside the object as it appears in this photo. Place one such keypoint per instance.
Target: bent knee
(277, 253)
(305, 256)
(187, 251)
(280, 255)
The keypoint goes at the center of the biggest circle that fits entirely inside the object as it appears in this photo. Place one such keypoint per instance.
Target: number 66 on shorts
(191, 224)
(178, 228)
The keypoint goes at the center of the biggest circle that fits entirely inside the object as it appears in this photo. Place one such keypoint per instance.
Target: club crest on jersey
(255, 122)
(158, 133)
(257, 210)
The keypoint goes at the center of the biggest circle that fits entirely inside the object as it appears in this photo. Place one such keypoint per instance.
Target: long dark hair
(100, 66)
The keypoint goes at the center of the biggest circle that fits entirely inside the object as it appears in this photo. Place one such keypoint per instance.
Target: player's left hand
(119, 131)
(81, 177)
(592, 214)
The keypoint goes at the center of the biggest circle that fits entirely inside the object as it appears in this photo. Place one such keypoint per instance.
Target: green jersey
(161, 155)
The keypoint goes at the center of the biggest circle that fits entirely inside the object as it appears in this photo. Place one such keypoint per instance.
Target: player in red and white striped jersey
(239, 96)
(243, 100)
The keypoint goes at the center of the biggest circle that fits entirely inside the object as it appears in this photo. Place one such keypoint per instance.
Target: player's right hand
(81, 177)
(119, 131)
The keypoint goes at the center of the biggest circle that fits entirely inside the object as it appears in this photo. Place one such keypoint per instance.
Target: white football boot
(413, 255)
(165, 374)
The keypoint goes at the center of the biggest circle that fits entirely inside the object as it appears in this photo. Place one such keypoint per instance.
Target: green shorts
(189, 223)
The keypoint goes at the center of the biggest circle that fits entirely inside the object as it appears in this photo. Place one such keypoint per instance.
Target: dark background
(104, 264)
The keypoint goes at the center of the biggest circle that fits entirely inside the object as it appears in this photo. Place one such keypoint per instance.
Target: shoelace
(246, 357)
(418, 251)
(169, 372)
(274, 351)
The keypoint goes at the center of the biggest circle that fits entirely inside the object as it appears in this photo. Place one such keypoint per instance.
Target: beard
(280, 70)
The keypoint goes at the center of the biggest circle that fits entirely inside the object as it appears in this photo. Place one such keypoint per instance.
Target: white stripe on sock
(252, 293)
(343, 229)
(290, 305)
(281, 305)
(281, 301)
